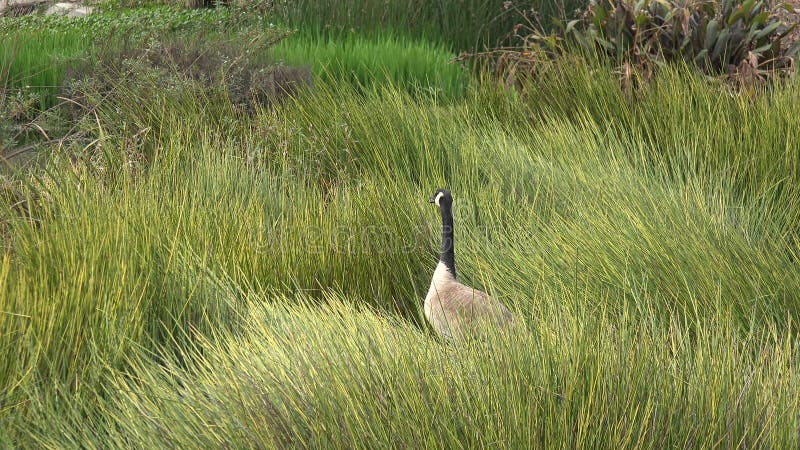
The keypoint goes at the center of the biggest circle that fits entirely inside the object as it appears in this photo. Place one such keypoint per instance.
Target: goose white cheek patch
(438, 197)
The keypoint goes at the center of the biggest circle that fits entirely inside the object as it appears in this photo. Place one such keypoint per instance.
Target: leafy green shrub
(746, 42)
(720, 37)
(107, 20)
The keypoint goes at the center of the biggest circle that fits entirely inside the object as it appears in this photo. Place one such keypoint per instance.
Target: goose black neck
(448, 256)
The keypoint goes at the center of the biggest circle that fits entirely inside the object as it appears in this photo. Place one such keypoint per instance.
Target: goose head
(441, 198)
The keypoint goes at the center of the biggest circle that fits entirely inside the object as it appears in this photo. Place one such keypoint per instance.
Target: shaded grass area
(174, 277)
(464, 25)
(36, 51)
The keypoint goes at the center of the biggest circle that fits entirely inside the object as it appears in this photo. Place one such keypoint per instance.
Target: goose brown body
(453, 309)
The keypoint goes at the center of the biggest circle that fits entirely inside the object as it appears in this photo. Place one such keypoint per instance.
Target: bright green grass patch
(651, 255)
(372, 62)
(36, 61)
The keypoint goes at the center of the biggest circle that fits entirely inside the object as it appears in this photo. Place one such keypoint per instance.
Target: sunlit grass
(344, 377)
(245, 280)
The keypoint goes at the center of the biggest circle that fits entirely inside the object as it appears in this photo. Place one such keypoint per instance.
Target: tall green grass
(371, 62)
(35, 61)
(200, 275)
(464, 25)
(345, 377)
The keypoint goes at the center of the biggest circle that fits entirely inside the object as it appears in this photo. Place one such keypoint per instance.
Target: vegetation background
(216, 234)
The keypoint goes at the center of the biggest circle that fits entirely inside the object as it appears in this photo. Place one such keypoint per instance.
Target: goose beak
(432, 199)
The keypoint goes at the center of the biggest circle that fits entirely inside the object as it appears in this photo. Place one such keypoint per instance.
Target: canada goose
(451, 307)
